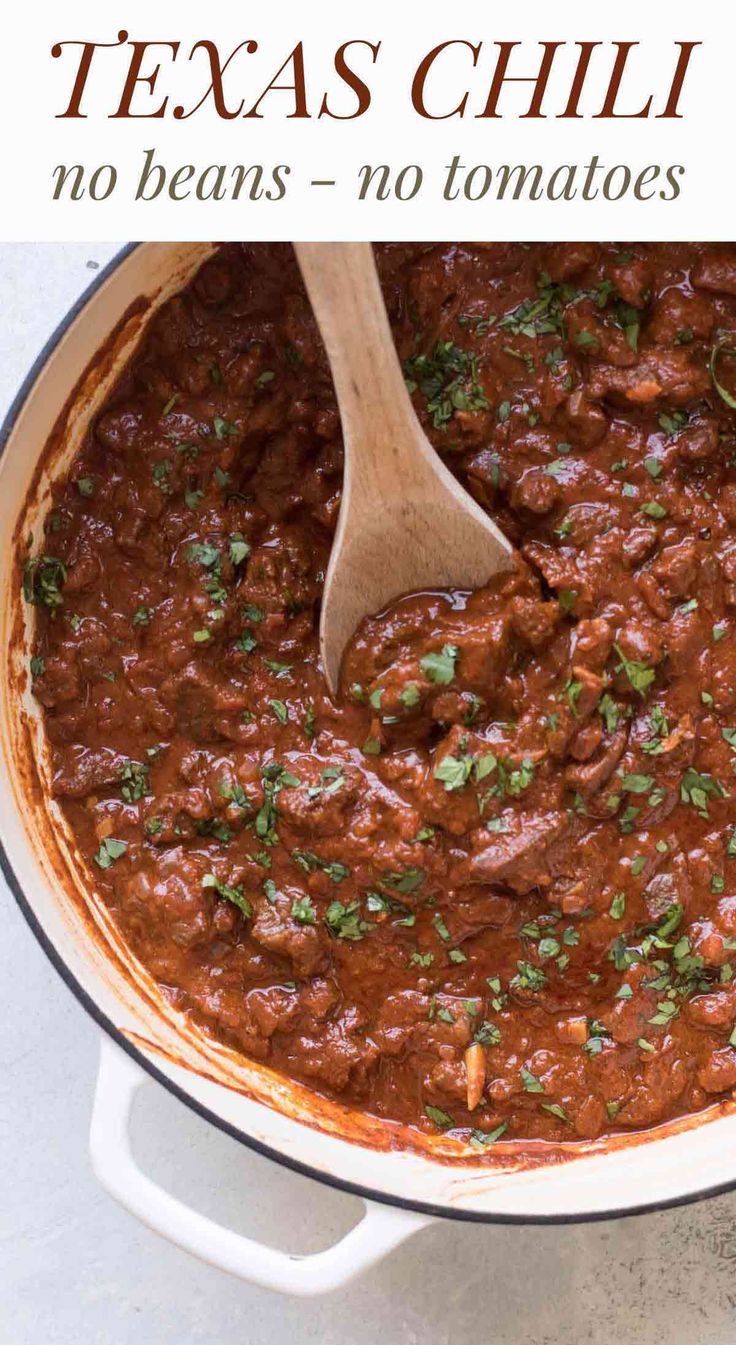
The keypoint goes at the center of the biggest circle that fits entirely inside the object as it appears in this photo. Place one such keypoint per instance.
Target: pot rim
(144, 1062)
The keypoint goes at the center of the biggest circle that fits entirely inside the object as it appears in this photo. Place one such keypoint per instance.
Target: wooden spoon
(405, 523)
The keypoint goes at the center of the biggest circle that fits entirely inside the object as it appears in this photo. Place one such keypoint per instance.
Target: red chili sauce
(491, 887)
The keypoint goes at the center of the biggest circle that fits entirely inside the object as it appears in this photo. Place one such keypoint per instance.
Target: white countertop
(75, 1268)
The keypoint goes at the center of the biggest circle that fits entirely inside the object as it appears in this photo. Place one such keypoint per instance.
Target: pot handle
(380, 1230)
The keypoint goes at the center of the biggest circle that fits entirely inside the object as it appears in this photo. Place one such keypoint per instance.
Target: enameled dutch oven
(404, 1179)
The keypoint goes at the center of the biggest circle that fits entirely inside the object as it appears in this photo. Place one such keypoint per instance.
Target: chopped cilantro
(235, 895)
(555, 1109)
(222, 428)
(696, 789)
(481, 1138)
(441, 927)
(439, 1118)
(637, 784)
(109, 851)
(302, 909)
(528, 977)
(618, 906)
(722, 345)
(238, 549)
(440, 668)
(345, 921)
(448, 380)
(672, 421)
(422, 959)
(134, 777)
(43, 580)
(453, 772)
(639, 675)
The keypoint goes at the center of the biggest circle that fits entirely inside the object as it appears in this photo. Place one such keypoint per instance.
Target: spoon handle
(405, 523)
(375, 407)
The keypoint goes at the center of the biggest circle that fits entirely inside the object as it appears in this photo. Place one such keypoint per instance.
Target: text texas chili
(492, 887)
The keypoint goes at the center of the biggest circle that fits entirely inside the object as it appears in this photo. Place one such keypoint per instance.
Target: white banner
(385, 120)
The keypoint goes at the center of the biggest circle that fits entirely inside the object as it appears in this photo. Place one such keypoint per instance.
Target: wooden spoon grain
(405, 523)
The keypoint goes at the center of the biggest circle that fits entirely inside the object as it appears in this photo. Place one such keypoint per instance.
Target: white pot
(403, 1181)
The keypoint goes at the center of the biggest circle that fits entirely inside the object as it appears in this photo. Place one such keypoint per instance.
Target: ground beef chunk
(276, 928)
(518, 860)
